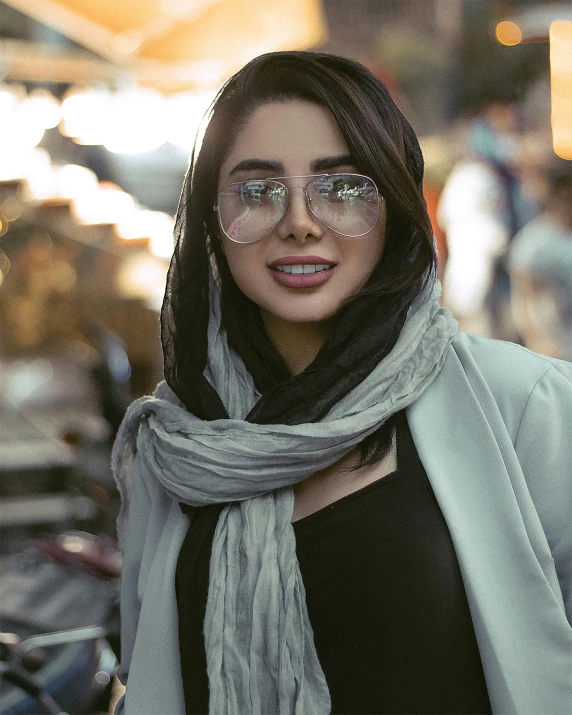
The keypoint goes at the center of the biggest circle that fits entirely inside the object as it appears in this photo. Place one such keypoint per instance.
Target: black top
(385, 598)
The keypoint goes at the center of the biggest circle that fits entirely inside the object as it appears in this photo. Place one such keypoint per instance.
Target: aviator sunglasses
(345, 203)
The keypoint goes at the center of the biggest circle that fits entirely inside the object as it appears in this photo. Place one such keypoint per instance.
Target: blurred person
(540, 264)
(335, 503)
(480, 209)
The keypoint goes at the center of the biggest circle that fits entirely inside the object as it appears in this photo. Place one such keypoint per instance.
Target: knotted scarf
(259, 644)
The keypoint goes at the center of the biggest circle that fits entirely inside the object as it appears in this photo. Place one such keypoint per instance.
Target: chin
(304, 315)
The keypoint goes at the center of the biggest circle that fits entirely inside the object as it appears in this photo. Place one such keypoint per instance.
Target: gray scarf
(261, 657)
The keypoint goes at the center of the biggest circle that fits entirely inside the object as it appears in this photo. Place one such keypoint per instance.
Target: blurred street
(99, 110)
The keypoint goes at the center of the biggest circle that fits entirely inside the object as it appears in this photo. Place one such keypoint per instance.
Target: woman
(337, 504)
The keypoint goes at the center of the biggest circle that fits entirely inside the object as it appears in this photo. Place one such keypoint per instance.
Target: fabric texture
(261, 656)
(493, 433)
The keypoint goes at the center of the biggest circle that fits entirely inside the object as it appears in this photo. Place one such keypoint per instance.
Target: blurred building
(88, 198)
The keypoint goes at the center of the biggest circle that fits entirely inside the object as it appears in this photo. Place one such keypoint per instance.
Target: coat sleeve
(135, 534)
(544, 448)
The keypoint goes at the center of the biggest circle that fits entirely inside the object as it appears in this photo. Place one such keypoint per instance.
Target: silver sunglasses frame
(311, 177)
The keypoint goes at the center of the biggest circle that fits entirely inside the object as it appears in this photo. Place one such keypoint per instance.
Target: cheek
(245, 266)
(365, 256)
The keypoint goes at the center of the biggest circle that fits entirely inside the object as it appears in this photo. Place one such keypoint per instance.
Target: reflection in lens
(237, 224)
(249, 210)
(346, 203)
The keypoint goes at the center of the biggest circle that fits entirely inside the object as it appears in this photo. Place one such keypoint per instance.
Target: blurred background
(99, 106)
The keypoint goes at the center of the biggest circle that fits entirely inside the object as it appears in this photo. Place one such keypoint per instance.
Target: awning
(170, 44)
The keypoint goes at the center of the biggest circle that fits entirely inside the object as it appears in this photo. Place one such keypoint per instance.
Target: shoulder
(510, 373)
(500, 360)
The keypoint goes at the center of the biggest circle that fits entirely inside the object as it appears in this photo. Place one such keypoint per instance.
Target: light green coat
(494, 433)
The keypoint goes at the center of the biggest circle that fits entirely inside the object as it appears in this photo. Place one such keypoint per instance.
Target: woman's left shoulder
(516, 380)
(507, 365)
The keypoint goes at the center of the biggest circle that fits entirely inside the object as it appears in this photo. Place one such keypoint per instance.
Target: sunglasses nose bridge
(306, 206)
(290, 195)
(297, 186)
(298, 218)
(304, 188)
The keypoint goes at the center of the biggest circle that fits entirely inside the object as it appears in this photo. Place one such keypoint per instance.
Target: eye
(257, 191)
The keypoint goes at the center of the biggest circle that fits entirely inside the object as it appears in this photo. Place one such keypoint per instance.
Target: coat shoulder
(503, 360)
(510, 371)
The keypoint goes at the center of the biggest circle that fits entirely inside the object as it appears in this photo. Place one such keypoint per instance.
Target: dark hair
(384, 147)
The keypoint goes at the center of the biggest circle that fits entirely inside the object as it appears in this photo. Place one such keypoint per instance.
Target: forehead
(294, 132)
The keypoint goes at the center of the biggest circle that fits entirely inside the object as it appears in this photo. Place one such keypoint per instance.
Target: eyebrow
(277, 167)
(258, 164)
(331, 162)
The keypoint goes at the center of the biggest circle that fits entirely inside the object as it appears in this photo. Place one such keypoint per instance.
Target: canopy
(171, 44)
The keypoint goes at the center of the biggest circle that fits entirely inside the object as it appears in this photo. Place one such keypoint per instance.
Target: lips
(302, 271)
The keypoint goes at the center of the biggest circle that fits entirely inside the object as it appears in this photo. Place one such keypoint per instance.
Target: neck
(298, 343)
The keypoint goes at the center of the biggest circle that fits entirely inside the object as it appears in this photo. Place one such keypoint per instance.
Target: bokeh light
(36, 168)
(21, 128)
(12, 208)
(508, 33)
(161, 233)
(186, 111)
(85, 115)
(137, 124)
(73, 181)
(4, 224)
(105, 204)
(143, 276)
(561, 87)
(44, 107)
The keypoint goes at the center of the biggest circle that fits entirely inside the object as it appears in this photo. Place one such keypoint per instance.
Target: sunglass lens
(249, 210)
(345, 203)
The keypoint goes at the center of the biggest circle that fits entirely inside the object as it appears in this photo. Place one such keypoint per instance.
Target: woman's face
(297, 138)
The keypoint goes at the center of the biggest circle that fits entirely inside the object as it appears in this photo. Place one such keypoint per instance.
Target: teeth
(306, 268)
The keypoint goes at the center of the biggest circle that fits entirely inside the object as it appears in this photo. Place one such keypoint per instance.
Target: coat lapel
(524, 639)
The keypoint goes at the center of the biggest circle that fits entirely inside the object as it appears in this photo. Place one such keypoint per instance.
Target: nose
(299, 222)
